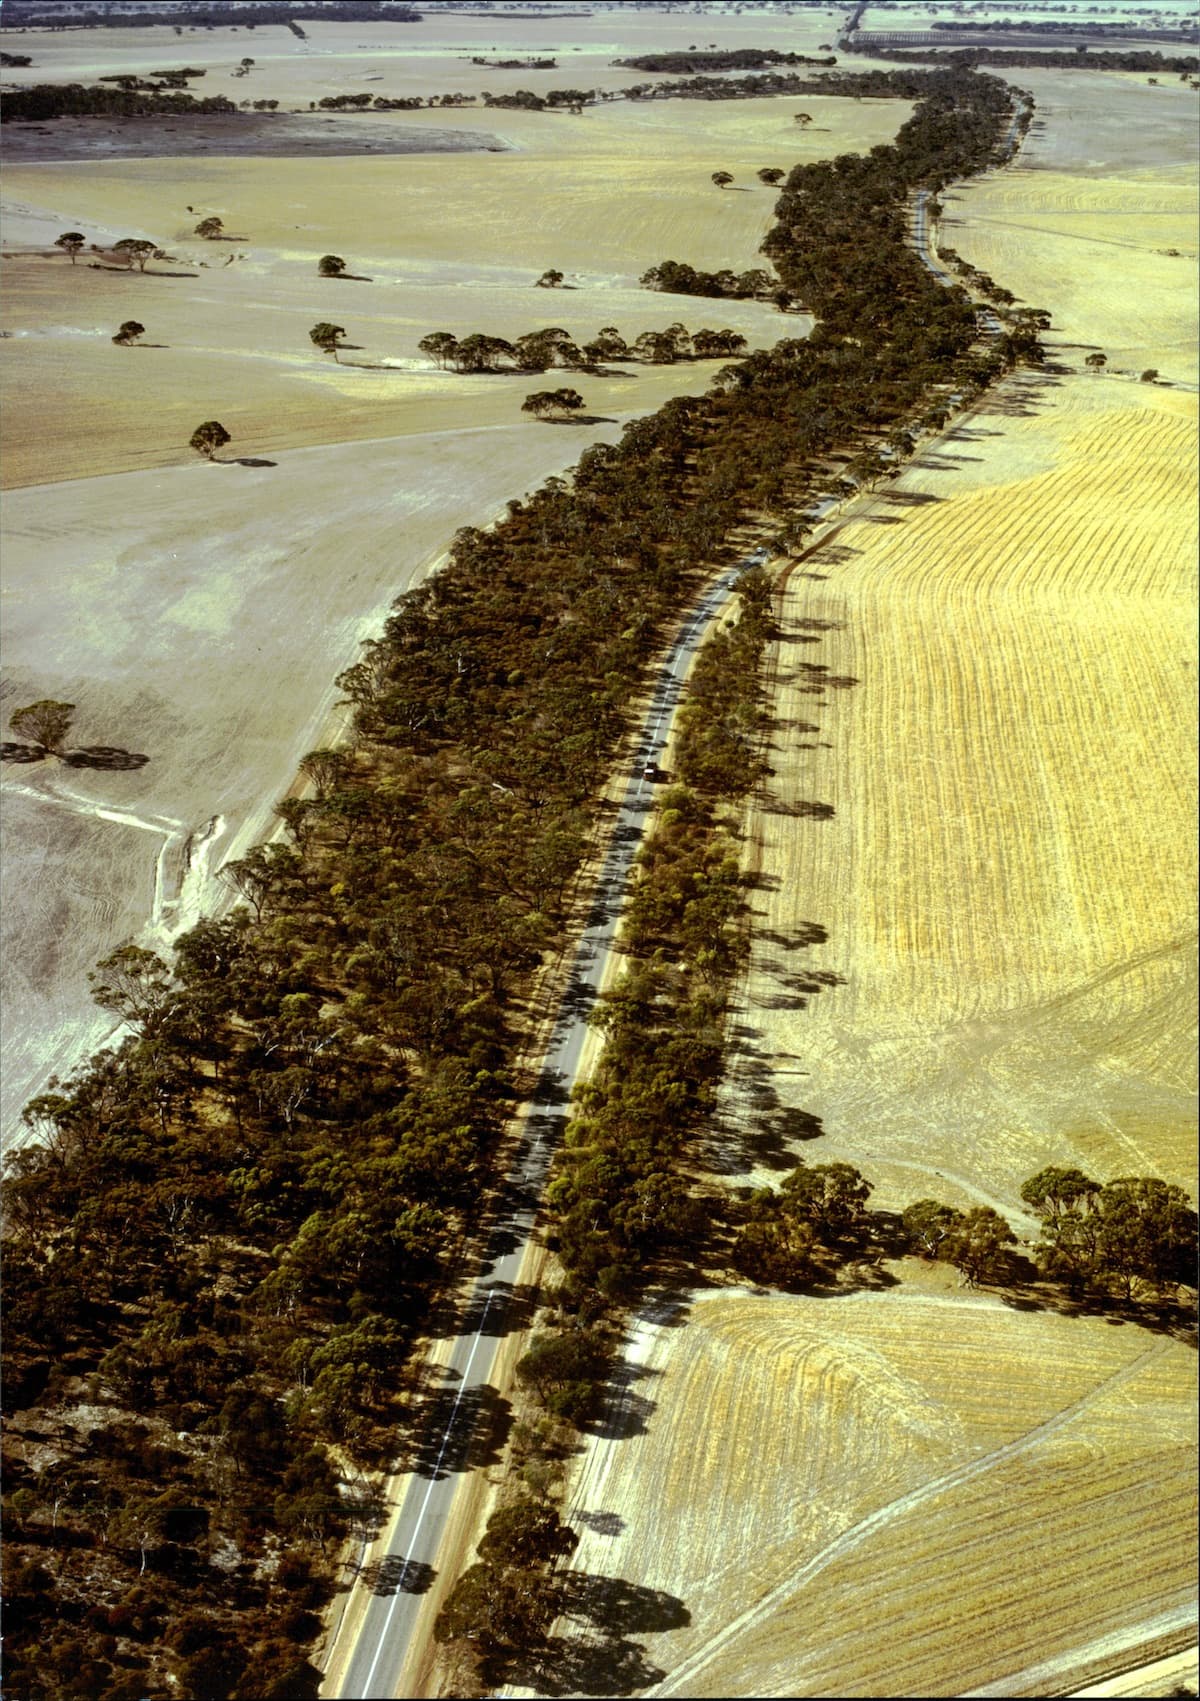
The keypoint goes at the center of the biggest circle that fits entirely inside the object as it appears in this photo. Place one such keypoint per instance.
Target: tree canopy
(208, 438)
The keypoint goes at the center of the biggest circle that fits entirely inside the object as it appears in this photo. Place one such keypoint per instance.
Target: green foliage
(331, 265)
(546, 403)
(72, 241)
(210, 228)
(45, 724)
(129, 333)
(208, 438)
(326, 337)
(1134, 1234)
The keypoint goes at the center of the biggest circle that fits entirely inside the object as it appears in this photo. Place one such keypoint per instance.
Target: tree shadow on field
(582, 419)
(602, 1658)
(110, 756)
(250, 461)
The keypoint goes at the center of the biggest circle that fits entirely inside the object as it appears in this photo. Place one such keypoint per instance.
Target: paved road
(373, 1669)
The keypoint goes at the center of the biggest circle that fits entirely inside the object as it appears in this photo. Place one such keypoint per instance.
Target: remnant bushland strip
(234, 1230)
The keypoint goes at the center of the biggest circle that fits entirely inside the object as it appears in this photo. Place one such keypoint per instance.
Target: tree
(441, 346)
(72, 241)
(770, 175)
(326, 337)
(722, 179)
(1146, 1232)
(549, 279)
(803, 119)
(546, 402)
(927, 1223)
(526, 1534)
(210, 228)
(832, 1197)
(1150, 375)
(1096, 361)
(976, 1244)
(45, 723)
(129, 333)
(331, 265)
(208, 438)
(137, 248)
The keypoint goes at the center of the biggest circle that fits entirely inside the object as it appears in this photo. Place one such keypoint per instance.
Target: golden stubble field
(914, 1492)
(976, 958)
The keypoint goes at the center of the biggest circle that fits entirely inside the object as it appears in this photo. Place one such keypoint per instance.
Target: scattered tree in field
(771, 175)
(1150, 375)
(803, 119)
(777, 1251)
(210, 228)
(327, 337)
(45, 724)
(441, 346)
(208, 438)
(331, 265)
(1096, 361)
(549, 279)
(72, 241)
(722, 179)
(138, 249)
(129, 333)
(832, 1197)
(546, 403)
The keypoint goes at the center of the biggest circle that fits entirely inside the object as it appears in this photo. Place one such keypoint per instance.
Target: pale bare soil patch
(452, 242)
(904, 1493)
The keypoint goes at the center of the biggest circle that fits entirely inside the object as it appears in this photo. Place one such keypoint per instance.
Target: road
(373, 1668)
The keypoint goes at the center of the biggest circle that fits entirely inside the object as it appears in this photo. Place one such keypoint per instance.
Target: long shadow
(249, 461)
(453, 1433)
(394, 1575)
(582, 419)
(104, 756)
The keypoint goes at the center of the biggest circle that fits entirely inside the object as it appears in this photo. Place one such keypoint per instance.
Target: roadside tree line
(225, 1236)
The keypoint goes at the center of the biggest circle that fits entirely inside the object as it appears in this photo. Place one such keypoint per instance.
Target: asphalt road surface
(373, 1669)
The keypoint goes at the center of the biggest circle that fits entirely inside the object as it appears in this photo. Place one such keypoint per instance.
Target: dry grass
(1006, 880)
(908, 1493)
(452, 242)
(1105, 183)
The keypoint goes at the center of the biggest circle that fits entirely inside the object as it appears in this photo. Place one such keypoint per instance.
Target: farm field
(853, 1452)
(1103, 187)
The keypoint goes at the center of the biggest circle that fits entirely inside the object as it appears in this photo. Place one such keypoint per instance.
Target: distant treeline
(516, 64)
(31, 15)
(1053, 60)
(731, 59)
(75, 100)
